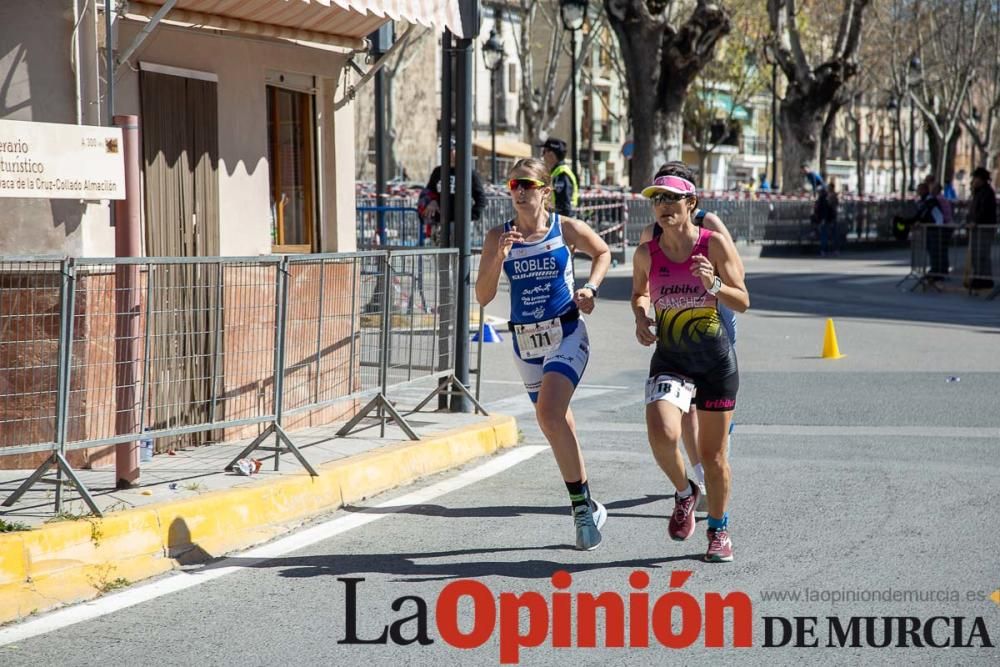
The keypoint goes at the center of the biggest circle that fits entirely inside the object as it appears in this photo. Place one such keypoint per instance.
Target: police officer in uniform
(565, 189)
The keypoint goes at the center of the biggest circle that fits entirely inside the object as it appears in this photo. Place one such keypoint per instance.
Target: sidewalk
(188, 509)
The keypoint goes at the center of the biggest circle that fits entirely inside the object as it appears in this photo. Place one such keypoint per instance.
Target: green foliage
(13, 526)
(734, 77)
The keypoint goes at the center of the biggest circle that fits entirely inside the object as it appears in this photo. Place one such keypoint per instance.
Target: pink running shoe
(682, 520)
(720, 547)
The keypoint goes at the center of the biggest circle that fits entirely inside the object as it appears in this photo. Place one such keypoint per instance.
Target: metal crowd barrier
(940, 252)
(187, 351)
(389, 227)
(765, 220)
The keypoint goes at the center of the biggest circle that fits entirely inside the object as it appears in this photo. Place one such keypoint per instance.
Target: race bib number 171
(536, 340)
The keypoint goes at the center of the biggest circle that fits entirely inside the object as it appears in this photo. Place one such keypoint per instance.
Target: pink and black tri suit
(692, 342)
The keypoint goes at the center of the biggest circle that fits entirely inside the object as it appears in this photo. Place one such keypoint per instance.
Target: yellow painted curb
(71, 561)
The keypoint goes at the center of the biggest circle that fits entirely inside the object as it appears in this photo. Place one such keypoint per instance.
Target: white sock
(686, 492)
(699, 474)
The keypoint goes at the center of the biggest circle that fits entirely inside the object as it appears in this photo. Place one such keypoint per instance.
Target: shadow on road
(425, 566)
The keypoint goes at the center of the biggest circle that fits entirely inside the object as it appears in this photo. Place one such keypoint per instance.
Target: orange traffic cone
(830, 348)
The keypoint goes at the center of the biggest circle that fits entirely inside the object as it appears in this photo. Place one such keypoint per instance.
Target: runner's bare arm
(714, 223)
(725, 261)
(640, 296)
(580, 236)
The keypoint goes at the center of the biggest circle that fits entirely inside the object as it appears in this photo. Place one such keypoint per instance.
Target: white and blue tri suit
(550, 336)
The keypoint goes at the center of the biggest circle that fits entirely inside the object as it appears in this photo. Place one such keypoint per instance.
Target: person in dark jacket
(982, 221)
(430, 201)
(935, 235)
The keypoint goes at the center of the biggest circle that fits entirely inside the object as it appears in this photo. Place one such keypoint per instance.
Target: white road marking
(821, 430)
(609, 387)
(183, 580)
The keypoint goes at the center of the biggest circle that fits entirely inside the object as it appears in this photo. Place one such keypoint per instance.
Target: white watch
(716, 286)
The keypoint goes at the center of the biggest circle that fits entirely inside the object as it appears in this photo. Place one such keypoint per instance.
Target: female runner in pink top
(684, 274)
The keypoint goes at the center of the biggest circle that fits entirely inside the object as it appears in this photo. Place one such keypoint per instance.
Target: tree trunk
(702, 169)
(942, 166)
(642, 109)
(903, 161)
(672, 122)
(661, 62)
(860, 157)
(810, 89)
(800, 128)
(826, 135)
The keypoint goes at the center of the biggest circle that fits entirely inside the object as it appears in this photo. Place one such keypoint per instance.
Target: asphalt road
(863, 487)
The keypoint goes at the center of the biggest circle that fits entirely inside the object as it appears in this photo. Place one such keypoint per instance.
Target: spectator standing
(929, 212)
(982, 223)
(429, 204)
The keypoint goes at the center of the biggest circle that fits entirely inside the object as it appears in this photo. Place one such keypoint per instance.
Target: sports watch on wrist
(716, 286)
(592, 287)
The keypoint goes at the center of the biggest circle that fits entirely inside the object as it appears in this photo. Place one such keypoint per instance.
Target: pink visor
(675, 184)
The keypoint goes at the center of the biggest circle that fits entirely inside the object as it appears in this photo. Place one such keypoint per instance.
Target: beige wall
(38, 85)
(241, 65)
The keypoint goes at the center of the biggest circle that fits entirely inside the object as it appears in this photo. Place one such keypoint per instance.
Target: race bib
(670, 389)
(538, 339)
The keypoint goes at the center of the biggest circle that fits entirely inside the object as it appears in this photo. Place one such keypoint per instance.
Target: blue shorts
(569, 359)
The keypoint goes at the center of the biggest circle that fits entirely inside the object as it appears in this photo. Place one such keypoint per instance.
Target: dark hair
(981, 172)
(676, 168)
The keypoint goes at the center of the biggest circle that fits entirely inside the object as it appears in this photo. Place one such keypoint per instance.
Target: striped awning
(351, 19)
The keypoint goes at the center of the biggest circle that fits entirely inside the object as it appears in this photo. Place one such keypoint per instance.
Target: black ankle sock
(579, 493)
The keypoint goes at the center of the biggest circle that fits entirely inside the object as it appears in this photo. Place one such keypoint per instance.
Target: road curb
(72, 561)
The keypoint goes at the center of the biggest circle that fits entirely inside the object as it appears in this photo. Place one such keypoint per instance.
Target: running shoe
(682, 520)
(720, 547)
(588, 520)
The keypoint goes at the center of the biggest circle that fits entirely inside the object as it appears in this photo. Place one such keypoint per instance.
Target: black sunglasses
(668, 198)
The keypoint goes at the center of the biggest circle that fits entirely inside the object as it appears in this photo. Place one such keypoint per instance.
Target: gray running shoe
(588, 525)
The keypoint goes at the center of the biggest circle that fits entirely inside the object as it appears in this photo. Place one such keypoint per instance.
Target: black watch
(592, 287)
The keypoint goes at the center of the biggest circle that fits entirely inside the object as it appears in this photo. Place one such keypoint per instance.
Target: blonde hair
(535, 167)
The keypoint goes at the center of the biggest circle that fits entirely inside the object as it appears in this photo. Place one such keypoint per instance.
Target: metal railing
(940, 252)
(211, 350)
(389, 227)
(768, 219)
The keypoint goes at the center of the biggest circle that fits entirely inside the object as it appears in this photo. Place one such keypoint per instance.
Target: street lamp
(892, 106)
(493, 57)
(573, 13)
(912, 81)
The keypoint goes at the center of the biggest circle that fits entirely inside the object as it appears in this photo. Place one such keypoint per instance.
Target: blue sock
(719, 524)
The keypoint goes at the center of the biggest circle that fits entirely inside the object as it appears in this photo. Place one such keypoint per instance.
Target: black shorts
(715, 389)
